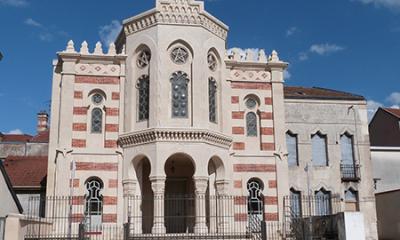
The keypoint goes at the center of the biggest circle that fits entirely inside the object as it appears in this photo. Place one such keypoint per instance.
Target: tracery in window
(94, 199)
(251, 124)
(251, 103)
(255, 198)
(97, 99)
(97, 120)
(212, 99)
(144, 93)
(212, 62)
(143, 59)
(179, 84)
(179, 55)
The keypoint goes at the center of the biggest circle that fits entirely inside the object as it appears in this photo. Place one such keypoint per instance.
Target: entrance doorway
(179, 195)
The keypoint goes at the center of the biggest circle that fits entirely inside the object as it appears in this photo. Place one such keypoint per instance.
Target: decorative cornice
(174, 135)
(178, 12)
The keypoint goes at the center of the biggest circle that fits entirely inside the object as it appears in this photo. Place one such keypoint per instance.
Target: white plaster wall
(7, 204)
(386, 168)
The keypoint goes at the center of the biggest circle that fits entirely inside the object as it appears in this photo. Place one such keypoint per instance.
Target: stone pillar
(158, 186)
(132, 211)
(225, 206)
(201, 184)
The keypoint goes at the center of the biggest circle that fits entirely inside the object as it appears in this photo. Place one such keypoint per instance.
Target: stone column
(132, 202)
(201, 184)
(158, 186)
(225, 206)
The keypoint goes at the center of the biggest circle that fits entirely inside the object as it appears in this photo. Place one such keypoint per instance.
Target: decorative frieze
(182, 12)
(174, 135)
(98, 69)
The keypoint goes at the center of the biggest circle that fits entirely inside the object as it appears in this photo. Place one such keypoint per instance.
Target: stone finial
(123, 51)
(98, 49)
(84, 48)
(274, 57)
(262, 57)
(111, 49)
(70, 47)
(236, 55)
(250, 55)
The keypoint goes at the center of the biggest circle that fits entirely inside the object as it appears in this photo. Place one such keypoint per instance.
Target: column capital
(158, 184)
(129, 187)
(222, 187)
(201, 184)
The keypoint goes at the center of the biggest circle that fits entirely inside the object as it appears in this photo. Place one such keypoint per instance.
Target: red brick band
(267, 131)
(92, 166)
(237, 115)
(251, 85)
(254, 168)
(96, 80)
(79, 127)
(78, 95)
(115, 96)
(267, 146)
(80, 110)
(272, 184)
(234, 99)
(110, 144)
(112, 127)
(112, 111)
(238, 130)
(112, 183)
(239, 146)
(78, 143)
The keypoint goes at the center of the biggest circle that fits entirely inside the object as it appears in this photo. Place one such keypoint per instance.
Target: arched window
(97, 120)
(144, 93)
(255, 198)
(351, 200)
(212, 99)
(251, 124)
(319, 150)
(346, 145)
(295, 203)
(323, 202)
(94, 201)
(291, 142)
(179, 84)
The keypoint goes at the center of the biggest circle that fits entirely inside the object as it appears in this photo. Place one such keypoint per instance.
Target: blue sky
(350, 45)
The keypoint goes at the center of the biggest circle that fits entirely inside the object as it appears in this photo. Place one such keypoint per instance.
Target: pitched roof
(26, 171)
(10, 188)
(42, 137)
(292, 92)
(16, 138)
(394, 111)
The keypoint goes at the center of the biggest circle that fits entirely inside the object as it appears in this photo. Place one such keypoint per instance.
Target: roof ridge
(338, 91)
(389, 110)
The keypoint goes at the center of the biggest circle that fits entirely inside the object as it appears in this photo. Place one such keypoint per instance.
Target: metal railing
(350, 172)
(169, 217)
(304, 213)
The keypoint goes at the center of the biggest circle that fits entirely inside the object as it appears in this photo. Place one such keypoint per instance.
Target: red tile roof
(16, 138)
(393, 111)
(42, 137)
(27, 171)
(292, 92)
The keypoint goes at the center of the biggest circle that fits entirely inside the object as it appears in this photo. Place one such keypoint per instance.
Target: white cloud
(14, 3)
(372, 107)
(391, 4)
(243, 52)
(394, 98)
(287, 75)
(303, 56)
(109, 33)
(33, 23)
(291, 31)
(325, 49)
(15, 131)
(46, 37)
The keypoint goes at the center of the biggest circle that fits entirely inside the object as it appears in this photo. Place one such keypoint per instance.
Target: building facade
(167, 112)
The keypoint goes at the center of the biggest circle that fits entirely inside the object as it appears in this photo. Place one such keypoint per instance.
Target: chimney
(43, 122)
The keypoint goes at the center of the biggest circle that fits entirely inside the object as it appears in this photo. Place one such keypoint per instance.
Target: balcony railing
(350, 172)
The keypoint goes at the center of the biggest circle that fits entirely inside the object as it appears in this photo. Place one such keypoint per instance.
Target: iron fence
(167, 217)
(350, 172)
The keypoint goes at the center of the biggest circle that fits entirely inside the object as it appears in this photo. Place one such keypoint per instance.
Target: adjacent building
(385, 150)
